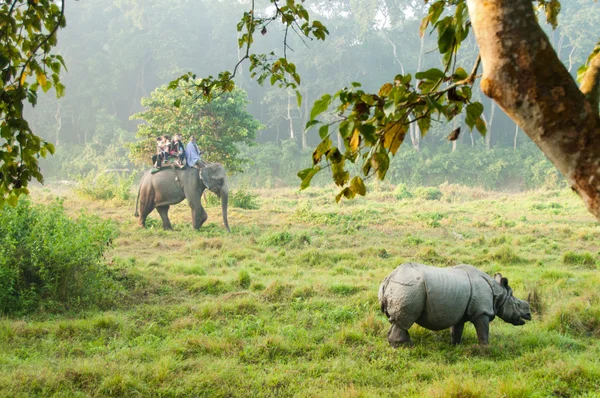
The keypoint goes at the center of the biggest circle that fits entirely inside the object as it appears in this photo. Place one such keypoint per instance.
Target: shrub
(428, 193)
(50, 261)
(402, 192)
(105, 186)
(244, 199)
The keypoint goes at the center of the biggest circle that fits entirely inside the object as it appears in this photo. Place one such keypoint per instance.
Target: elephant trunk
(224, 201)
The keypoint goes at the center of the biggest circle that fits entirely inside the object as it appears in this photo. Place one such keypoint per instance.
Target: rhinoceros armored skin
(441, 298)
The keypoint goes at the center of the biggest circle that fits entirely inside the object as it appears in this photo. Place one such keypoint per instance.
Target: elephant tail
(137, 200)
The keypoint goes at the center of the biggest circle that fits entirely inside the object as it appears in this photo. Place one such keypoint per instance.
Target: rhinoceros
(441, 298)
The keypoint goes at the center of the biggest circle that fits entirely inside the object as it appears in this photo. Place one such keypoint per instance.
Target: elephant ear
(213, 175)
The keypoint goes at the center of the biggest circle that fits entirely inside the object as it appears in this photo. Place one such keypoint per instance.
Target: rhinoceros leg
(398, 336)
(456, 332)
(482, 327)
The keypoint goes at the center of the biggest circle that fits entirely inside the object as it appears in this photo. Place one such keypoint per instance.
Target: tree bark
(523, 74)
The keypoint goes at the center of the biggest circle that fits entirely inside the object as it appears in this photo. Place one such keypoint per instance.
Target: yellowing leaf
(385, 89)
(23, 77)
(41, 79)
(355, 140)
(393, 136)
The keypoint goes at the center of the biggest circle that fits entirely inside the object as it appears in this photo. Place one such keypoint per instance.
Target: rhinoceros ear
(504, 282)
(498, 277)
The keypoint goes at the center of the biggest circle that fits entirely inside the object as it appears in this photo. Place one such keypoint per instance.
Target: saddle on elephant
(171, 162)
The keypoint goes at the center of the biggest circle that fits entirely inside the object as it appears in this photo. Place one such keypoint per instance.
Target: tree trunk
(58, 118)
(523, 74)
(516, 135)
(488, 135)
(454, 127)
(304, 132)
(289, 116)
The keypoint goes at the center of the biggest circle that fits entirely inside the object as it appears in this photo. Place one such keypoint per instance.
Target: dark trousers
(157, 160)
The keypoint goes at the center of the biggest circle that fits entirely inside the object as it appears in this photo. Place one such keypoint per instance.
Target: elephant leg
(199, 216)
(397, 336)
(164, 215)
(482, 327)
(456, 332)
(145, 209)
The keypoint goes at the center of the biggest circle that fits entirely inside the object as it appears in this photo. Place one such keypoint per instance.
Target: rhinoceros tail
(383, 298)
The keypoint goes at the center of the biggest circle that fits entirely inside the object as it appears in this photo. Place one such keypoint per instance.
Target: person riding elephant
(194, 154)
(171, 186)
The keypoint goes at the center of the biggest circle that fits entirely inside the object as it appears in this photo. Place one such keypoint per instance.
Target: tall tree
(27, 37)
(219, 125)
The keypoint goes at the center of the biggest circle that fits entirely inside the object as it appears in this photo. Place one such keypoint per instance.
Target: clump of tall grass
(506, 255)
(584, 260)
(579, 316)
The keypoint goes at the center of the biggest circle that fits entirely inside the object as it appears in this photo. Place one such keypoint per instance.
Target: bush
(402, 192)
(428, 193)
(244, 199)
(240, 198)
(105, 186)
(52, 262)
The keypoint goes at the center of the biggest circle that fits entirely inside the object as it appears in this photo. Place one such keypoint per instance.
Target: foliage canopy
(219, 125)
(372, 125)
(27, 37)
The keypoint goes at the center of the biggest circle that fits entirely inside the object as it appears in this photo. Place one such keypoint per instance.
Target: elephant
(171, 186)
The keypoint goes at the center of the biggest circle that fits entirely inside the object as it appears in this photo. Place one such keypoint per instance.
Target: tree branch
(590, 85)
(525, 77)
(33, 53)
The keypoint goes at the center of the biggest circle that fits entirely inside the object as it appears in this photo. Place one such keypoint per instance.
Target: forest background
(118, 52)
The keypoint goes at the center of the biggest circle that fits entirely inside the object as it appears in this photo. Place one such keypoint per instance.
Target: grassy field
(286, 305)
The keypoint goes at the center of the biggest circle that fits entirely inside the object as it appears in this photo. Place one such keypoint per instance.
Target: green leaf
(320, 106)
(324, 131)
(299, 98)
(389, 108)
(311, 123)
(358, 186)
(424, 124)
(368, 131)
(459, 74)
(306, 176)
(481, 126)
(474, 111)
(321, 149)
(446, 33)
(12, 199)
(346, 192)
(432, 74)
(381, 163)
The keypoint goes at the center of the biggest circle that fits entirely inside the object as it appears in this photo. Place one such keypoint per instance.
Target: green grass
(286, 305)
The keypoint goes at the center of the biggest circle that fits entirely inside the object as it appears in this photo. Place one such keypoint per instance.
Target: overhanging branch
(590, 85)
